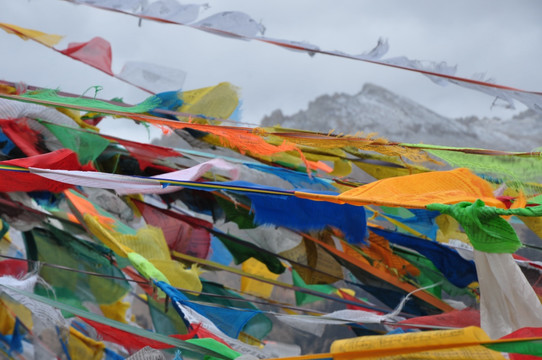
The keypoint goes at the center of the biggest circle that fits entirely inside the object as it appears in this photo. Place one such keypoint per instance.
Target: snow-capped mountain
(396, 118)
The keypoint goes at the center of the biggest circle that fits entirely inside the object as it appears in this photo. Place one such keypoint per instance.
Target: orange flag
(417, 191)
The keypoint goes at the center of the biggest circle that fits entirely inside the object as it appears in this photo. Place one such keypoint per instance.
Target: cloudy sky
(499, 38)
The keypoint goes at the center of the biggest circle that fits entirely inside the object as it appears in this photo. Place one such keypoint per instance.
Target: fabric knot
(487, 231)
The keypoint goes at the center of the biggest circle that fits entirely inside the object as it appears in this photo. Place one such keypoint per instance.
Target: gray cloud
(500, 38)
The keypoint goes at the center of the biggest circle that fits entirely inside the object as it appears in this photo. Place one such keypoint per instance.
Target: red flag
(96, 53)
(203, 333)
(13, 267)
(454, 318)
(528, 332)
(131, 341)
(22, 136)
(347, 296)
(183, 233)
(145, 153)
(17, 180)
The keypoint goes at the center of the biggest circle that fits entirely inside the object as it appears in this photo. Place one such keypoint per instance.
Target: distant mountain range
(399, 119)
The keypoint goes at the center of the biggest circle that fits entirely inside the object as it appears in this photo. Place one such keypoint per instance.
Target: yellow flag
(7, 321)
(464, 353)
(218, 101)
(116, 311)
(178, 275)
(255, 287)
(146, 248)
(48, 40)
(9, 309)
(384, 172)
(533, 223)
(441, 344)
(82, 347)
(449, 229)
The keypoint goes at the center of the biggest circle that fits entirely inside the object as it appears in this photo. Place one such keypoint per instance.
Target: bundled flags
(117, 249)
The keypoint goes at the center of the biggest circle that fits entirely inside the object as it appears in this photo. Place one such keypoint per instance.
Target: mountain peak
(397, 118)
(375, 90)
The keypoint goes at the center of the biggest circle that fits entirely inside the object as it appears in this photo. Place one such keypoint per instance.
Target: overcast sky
(500, 38)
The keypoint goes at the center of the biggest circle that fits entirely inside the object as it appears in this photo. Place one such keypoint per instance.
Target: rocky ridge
(397, 118)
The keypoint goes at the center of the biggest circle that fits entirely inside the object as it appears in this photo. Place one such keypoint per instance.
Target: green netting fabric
(515, 170)
(52, 96)
(88, 146)
(146, 268)
(58, 247)
(483, 225)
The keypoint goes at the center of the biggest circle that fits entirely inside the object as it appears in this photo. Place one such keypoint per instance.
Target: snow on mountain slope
(396, 118)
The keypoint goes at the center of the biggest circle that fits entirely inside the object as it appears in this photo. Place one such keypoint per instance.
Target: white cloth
(123, 5)
(43, 316)
(151, 77)
(316, 324)
(507, 300)
(124, 184)
(10, 109)
(231, 23)
(193, 317)
(171, 10)
(429, 66)
(270, 238)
